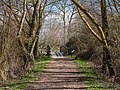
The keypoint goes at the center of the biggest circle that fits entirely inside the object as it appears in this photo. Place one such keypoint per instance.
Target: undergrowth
(20, 84)
(92, 80)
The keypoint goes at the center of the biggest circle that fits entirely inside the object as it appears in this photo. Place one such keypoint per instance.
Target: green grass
(93, 82)
(20, 84)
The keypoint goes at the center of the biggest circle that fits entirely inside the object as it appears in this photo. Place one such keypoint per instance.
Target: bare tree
(18, 46)
(103, 35)
(62, 6)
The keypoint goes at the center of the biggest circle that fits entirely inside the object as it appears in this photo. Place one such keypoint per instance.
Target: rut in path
(60, 74)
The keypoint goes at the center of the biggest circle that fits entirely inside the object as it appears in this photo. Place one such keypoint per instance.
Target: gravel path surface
(60, 74)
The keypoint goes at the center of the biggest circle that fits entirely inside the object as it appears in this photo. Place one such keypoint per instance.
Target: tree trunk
(35, 52)
(64, 26)
(107, 63)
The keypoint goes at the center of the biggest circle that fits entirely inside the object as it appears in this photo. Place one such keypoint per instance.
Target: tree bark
(107, 63)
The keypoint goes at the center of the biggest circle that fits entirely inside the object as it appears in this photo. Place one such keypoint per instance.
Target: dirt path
(60, 74)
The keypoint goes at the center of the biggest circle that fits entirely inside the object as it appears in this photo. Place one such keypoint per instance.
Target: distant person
(48, 50)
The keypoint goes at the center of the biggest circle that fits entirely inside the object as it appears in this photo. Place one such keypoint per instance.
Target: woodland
(89, 27)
